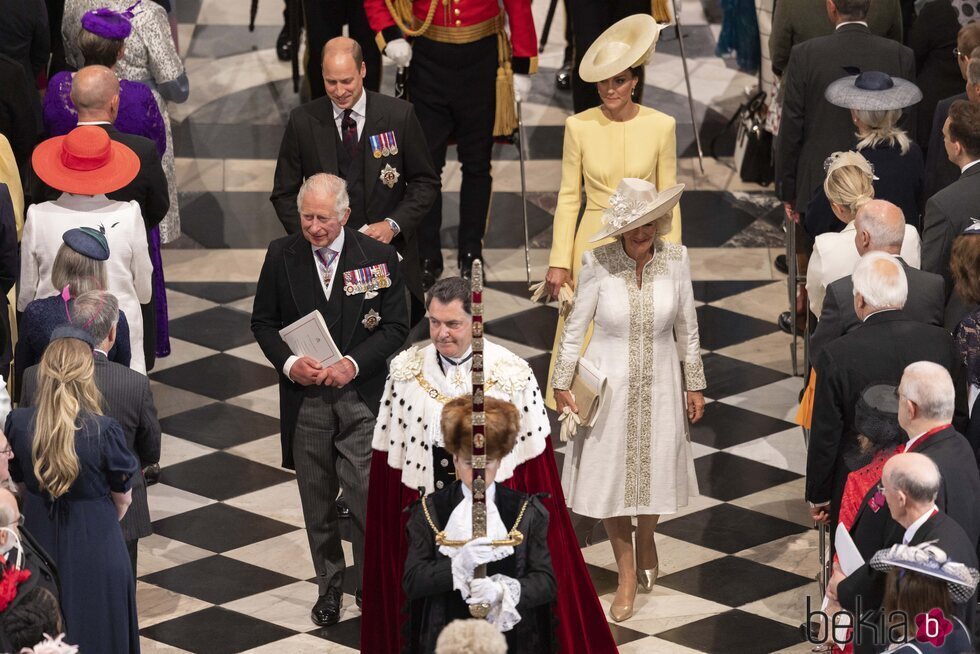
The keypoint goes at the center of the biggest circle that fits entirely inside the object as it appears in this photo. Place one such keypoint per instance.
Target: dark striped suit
(127, 398)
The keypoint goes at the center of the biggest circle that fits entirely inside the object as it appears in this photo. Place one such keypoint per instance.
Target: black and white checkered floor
(228, 569)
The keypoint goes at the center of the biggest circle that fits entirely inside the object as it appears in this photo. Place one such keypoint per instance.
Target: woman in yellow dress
(618, 139)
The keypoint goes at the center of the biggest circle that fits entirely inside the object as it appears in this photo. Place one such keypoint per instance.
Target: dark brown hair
(964, 126)
(503, 423)
(964, 263)
(913, 593)
(852, 9)
(448, 289)
(98, 50)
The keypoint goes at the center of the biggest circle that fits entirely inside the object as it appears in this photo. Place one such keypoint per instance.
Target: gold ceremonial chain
(434, 393)
(516, 537)
(404, 13)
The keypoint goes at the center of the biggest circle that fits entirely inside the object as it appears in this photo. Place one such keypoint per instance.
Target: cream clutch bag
(589, 389)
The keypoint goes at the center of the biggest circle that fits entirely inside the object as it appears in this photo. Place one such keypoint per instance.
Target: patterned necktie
(326, 256)
(348, 127)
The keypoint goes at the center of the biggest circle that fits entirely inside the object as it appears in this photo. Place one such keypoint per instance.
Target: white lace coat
(637, 459)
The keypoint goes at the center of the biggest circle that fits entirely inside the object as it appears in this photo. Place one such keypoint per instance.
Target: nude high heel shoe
(621, 610)
(647, 578)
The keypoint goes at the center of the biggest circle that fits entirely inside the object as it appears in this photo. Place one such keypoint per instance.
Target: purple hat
(108, 23)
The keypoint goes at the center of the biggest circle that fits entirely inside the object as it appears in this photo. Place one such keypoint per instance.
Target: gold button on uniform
(456, 11)
(458, 23)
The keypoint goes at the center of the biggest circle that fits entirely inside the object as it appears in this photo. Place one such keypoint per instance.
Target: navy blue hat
(71, 331)
(89, 242)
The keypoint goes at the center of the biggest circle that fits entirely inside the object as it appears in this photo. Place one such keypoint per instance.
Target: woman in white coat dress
(86, 164)
(636, 460)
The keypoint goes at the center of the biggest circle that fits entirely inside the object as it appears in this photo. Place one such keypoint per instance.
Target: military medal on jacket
(363, 280)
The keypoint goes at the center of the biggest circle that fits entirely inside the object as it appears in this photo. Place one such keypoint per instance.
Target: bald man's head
(879, 227)
(343, 47)
(95, 93)
(914, 475)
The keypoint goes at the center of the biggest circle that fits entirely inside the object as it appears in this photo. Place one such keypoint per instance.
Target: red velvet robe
(581, 624)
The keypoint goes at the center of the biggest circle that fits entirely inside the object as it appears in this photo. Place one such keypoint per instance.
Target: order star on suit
(312, 144)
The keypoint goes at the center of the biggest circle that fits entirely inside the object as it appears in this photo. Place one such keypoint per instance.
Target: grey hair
(325, 184)
(448, 289)
(877, 219)
(973, 68)
(882, 128)
(929, 385)
(96, 312)
(78, 272)
(879, 278)
(920, 483)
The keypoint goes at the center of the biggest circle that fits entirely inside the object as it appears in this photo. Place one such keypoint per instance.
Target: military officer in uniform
(450, 36)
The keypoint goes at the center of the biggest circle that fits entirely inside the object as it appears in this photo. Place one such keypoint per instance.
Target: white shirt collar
(337, 245)
(359, 109)
(914, 527)
(852, 22)
(877, 312)
(962, 170)
(92, 122)
(102, 352)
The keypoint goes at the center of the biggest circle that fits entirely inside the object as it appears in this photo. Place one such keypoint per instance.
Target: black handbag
(753, 144)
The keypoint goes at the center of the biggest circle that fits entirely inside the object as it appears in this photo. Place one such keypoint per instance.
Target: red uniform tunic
(463, 14)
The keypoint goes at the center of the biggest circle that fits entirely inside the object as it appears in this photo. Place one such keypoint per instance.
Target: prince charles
(327, 413)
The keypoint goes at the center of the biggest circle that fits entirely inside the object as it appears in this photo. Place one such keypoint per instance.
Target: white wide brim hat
(625, 44)
(872, 91)
(635, 203)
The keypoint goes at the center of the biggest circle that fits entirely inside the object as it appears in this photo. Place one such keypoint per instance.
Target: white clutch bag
(589, 389)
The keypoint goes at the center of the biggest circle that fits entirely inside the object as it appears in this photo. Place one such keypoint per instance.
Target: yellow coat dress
(599, 153)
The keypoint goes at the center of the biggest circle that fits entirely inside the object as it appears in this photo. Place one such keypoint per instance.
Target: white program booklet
(847, 552)
(310, 337)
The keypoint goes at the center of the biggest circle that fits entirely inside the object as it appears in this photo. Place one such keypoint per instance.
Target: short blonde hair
(849, 184)
(881, 128)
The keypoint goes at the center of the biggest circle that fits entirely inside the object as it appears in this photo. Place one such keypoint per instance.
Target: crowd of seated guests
(890, 246)
(83, 313)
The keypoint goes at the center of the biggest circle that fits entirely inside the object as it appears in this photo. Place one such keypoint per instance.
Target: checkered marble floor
(228, 569)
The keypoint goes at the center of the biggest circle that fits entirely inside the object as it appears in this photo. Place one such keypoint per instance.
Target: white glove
(485, 591)
(400, 52)
(522, 87)
(475, 553)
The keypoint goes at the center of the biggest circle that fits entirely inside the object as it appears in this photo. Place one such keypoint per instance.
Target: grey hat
(71, 331)
(928, 559)
(872, 91)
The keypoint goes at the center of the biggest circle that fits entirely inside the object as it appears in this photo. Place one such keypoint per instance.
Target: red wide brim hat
(85, 162)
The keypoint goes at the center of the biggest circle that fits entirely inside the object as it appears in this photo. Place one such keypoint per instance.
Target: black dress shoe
(466, 264)
(785, 324)
(431, 270)
(563, 78)
(343, 511)
(326, 611)
(151, 474)
(284, 45)
(781, 264)
(357, 598)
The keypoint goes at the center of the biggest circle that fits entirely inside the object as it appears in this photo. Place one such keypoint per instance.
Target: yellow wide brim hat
(626, 44)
